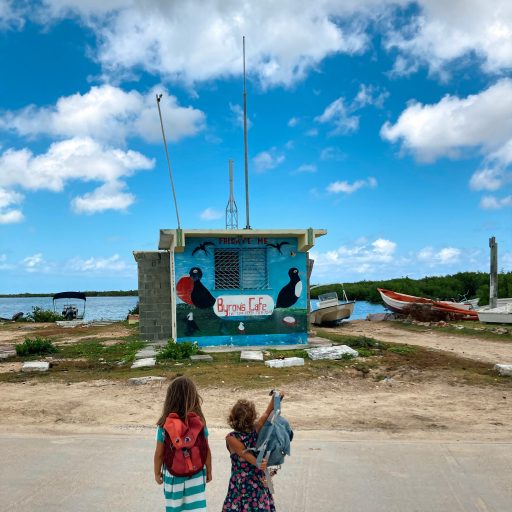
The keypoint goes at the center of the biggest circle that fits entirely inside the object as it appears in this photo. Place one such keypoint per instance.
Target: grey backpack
(274, 438)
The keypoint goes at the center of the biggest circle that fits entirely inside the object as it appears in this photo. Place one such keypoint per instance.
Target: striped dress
(183, 492)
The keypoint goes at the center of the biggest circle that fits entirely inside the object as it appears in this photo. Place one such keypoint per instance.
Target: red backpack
(186, 446)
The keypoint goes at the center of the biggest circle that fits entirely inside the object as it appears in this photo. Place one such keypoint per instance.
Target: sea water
(116, 308)
(96, 308)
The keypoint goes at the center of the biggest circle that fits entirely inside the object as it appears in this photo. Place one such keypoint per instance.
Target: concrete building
(222, 287)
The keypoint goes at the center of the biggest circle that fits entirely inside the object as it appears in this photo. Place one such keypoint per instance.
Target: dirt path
(473, 348)
(426, 407)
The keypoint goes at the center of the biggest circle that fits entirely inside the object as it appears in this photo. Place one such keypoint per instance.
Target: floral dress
(247, 489)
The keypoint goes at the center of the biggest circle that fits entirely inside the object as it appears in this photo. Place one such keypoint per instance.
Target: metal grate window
(227, 268)
(254, 269)
(241, 268)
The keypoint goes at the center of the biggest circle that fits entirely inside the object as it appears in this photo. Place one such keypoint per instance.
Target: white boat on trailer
(331, 310)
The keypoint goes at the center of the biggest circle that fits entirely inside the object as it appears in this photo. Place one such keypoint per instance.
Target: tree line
(111, 293)
(468, 285)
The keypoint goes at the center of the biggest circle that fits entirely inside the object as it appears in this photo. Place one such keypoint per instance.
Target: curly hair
(242, 416)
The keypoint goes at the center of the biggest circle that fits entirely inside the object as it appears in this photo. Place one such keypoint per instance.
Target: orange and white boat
(399, 302)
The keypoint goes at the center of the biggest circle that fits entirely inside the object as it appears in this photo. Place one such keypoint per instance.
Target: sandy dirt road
(463, 346)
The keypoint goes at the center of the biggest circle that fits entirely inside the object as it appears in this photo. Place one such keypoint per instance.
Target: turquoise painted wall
(211, 316)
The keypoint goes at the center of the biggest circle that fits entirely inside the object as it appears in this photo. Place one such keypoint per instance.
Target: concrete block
(285, 363)
(145, 353)
(143, 363)
(251, 355)
(202, 357)
(504, 369)
(35, 366)
(335, 352)
(7, 353)
(150, 379)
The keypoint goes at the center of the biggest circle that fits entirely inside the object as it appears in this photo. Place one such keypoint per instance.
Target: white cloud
(11, 16)
(3, 263)
(34, 263)
(294, 121)
(81, 159)
(114, 264)
(8, 215)
(332, 153)
(359, 257)
(348, 188)
(444, 32)
(337, 114)
(488, 179)
(108, 114)
(482, 121)
(369, 95)
(210, 214)
(306, 168)
(340, 113)
(109, 196)
(494, 203)
(238, 116)
(313, 132)
(267, 160)
(444, 256)
(11, 216)
(202, 40)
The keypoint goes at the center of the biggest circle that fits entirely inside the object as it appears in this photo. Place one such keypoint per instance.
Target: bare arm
(236, 446)
(158, 461)
(209, 465)
(266, 414)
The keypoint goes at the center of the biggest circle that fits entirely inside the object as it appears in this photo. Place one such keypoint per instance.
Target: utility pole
(493, 274)
(248, 224)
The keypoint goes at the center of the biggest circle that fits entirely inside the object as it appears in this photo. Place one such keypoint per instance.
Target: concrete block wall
(155, 307)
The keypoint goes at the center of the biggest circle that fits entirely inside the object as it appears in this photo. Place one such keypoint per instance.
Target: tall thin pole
(493, 274)
(158, 98)
(248, 224)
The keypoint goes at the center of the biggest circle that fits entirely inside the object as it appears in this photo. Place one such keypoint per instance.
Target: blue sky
(387, 123)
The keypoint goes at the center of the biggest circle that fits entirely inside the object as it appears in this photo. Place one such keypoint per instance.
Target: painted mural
(227, 294)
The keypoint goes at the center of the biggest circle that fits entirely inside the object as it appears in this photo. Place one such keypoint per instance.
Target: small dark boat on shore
(71, 309)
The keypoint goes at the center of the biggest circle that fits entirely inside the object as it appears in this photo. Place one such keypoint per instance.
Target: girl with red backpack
(182, 459)
(248, 488)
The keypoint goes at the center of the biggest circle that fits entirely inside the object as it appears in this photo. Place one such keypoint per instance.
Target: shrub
(43, 315)
(134, 310)
(35, 346)
(176, 351)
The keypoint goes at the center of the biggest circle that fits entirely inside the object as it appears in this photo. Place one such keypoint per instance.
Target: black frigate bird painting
(203, 247)
(200, 296)
(291, 291)
(278, 246)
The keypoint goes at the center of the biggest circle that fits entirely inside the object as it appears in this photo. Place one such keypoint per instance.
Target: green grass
(401, 349)
(93, 350)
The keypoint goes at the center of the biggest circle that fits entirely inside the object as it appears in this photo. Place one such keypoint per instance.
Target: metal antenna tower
(231, 208)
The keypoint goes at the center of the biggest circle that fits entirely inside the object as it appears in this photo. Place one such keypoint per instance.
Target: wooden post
(493, 274)
(309, 265)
